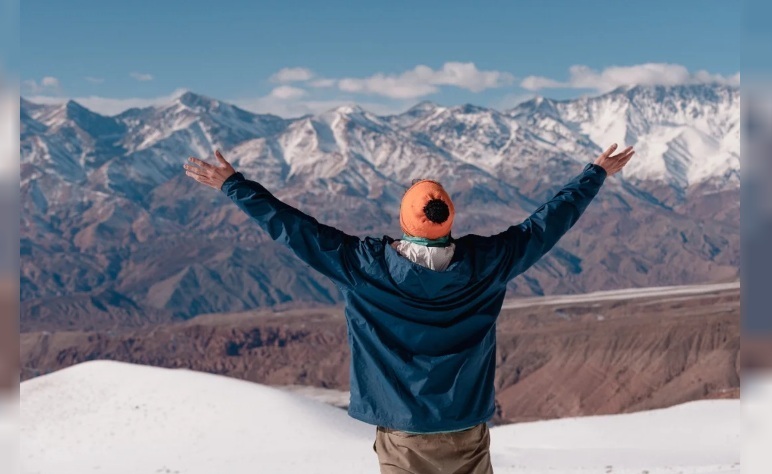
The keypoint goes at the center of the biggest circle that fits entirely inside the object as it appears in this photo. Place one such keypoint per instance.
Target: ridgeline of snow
(118, 418)
(684, 136)
(125, 418)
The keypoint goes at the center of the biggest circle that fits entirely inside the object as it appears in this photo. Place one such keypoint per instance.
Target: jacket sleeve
(326, 249)
(523, 244)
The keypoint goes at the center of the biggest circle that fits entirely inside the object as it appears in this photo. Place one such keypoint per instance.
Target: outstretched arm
(324, 248)
(527, 242)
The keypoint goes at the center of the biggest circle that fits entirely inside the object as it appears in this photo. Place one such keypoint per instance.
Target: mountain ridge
(106, 196)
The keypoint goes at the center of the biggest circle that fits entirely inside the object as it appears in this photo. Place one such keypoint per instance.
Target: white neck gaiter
(434, 258)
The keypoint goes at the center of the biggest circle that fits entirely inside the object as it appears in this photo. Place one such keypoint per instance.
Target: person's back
(423, 341)
(420, 338)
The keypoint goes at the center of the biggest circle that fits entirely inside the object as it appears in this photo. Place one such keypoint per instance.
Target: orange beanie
(413, 216)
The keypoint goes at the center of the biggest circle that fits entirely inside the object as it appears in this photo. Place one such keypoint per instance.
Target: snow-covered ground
(695, 437)
(112, 417)
(330, 396)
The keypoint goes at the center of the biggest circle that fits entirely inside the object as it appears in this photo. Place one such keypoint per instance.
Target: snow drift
(118, 418)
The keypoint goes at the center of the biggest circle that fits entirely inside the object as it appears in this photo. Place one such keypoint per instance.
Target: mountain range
(114, 234)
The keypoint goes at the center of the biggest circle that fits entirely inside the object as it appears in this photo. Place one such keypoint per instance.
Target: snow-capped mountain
(685, 135)
(108, 209)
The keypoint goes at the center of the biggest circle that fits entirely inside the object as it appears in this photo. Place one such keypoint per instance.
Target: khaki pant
(462, 452)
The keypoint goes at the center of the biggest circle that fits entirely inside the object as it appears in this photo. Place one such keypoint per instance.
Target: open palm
(614, 163)
(211, 175)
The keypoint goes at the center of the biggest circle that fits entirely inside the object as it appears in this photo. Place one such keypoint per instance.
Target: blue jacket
(423, 342)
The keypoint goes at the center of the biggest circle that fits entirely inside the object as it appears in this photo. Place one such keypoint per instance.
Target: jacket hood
(424, 283)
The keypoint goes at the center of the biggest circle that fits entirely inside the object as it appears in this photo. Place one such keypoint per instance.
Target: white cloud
(584, 77)
(534, 83)
(106, 105)
(323, 83)
(414, 83)
(94, 80)
(49, 81)
(292, 74)
(143, 77)
(48, 84)
(392, 87)
(423, 80)
(287, 92)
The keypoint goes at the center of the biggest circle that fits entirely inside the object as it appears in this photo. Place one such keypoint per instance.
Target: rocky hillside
(597, 354)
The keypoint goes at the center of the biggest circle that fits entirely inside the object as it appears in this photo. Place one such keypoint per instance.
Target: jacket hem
(387, 423)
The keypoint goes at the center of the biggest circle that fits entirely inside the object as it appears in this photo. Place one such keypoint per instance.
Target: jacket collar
(422, 282)
(441, 242)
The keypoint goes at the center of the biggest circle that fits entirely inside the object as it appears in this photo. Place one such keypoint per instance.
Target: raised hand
(614, 163)
(210, 175)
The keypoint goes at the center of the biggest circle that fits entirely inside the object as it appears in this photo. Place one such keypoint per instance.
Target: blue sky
(383, 55)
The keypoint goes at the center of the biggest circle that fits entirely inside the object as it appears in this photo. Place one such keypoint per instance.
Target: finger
(627, 158)
(622, 153)
(197, 177)
(609, 151)
(622, 163)
(192, 170)
(220, 158)
(200, 163)
(192, 166)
